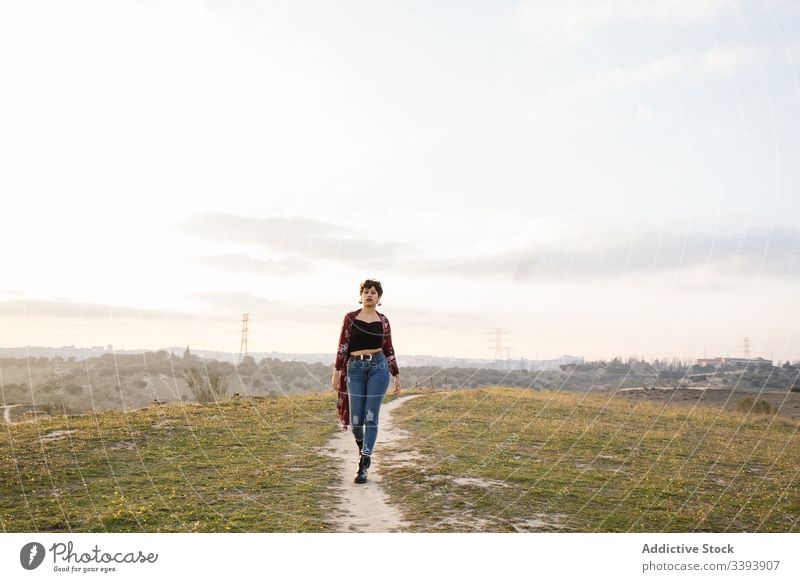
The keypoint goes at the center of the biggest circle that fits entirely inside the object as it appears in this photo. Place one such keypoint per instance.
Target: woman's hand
(335, 380)
(397, 384)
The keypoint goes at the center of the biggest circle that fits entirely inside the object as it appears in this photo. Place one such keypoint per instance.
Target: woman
(361, 372)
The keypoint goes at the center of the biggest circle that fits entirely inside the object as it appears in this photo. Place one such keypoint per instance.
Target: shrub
(206, 388)
(760, 406)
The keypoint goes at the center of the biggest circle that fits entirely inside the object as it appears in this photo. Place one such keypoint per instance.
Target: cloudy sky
(597, 178)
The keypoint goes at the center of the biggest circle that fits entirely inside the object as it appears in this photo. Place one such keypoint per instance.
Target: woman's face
(369, 296)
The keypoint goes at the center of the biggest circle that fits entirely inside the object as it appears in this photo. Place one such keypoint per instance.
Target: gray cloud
(258, 305)
(61, 307)
(771, 251)
(307, 238)
(213, 303)
(585, 252)
(310, 313)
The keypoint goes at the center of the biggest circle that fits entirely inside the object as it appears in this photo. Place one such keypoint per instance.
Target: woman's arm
(388, 349)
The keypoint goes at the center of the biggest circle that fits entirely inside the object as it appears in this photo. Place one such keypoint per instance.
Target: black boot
(360, 444)
(363, 465)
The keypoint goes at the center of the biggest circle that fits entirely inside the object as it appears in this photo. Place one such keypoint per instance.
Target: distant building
(555, 364)
(720, 361)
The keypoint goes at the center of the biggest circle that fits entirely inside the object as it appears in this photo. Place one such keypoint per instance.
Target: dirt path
(365, 507)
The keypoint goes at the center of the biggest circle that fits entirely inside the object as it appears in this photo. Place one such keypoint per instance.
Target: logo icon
(31, 555)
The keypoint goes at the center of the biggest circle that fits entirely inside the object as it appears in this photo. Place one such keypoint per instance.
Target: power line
(243, 345)
(499, 349)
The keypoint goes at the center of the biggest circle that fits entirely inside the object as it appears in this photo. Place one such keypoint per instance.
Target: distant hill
(126, 381)
(84, 353)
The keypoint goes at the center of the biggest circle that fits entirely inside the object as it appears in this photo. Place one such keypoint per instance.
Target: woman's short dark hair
(370, 283)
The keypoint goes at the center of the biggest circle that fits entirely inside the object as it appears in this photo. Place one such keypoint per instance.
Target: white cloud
(561, 23)
(617, 79)
(644, 112)
(727, 59)
(660, 70)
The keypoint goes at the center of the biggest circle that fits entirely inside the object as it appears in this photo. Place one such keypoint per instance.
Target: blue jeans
(367, 381)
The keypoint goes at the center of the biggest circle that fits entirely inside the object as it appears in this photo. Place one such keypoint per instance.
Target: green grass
(520, 460)
(240, 465)
(491, 460)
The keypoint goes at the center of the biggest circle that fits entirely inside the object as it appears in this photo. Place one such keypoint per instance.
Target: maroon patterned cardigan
(343, 356)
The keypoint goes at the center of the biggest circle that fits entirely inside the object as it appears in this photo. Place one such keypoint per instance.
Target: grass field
(523, 460)
(494, 459)
(241, 465)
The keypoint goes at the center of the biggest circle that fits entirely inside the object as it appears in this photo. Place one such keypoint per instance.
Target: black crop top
(366, 336)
